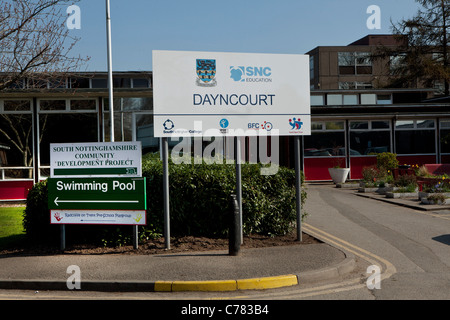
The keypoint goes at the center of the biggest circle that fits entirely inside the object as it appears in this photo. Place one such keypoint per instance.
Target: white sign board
(107, 217)
(103, 159)
(231, 94)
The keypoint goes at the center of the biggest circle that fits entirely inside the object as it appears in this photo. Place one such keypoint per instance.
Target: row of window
(86, 105)
(350, 99)
(370, 137)
(83, 83)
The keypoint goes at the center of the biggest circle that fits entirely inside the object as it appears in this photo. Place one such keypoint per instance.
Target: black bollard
(234, 244)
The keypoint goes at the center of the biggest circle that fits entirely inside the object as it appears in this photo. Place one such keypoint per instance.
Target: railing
(4, 178)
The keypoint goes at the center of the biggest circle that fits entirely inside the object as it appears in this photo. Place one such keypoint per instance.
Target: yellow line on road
(364, 254)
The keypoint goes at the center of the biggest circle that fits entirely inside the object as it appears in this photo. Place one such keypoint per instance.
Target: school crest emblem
(206, 73)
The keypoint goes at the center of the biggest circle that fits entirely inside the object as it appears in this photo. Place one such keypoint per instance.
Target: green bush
(200, 198)
(387, 161)
(200, 204)
(36, 218)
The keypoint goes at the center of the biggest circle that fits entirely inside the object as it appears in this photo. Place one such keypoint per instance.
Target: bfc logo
(250, 74)
(265, 125)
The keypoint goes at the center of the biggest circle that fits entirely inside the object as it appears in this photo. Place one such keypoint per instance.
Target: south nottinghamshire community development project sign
(230, 94)
(97, 183)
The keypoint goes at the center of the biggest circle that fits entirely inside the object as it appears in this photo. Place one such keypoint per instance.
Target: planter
(378, 190)
(363, 188)
(397, 195)
(424, 195)
(339, 175)
(435, 201)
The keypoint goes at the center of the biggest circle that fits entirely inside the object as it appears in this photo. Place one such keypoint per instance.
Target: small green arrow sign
(97, 193)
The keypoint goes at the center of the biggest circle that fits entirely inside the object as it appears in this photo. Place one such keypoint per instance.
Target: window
(350, 99)
(79, 83)
(415, 137)
(311, 68)
(317, 100)
(52, 105)
(354, 63)
(141, 83)
(396, 62)
(445, 136)
(384, 99)
(122, 82)
(369, 137)
(83, 105)
(346, 62)
(339, 99)
(59, 121)
(368, 98)
(326, 139)
(16, 139)
(16, 105)
(352, 85)
(334, 99)
(123, 113)
(99, 83)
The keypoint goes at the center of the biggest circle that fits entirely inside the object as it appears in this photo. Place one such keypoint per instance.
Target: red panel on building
(14, 190)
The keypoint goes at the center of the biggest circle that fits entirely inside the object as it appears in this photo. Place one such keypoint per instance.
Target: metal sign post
(165, 158)
(237, 155)
(110, 76)
(298, 188)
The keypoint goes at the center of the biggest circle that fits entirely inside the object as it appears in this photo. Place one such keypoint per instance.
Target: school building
(353, 118)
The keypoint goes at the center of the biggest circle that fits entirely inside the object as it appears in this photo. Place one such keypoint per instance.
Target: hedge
(199, 204)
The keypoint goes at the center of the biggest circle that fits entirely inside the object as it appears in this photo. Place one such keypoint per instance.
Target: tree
(35, 43)
(35, 47)
(421, 57)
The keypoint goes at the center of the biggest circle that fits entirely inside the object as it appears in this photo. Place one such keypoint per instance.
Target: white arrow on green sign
(97, 193)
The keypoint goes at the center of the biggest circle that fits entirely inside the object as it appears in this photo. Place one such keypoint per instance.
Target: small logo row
(295, 123)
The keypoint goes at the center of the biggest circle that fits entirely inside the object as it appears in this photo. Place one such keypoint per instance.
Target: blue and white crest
(206, 73)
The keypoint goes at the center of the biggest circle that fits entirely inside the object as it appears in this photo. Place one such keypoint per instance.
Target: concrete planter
(378, 190)
(339, 175)
(398, 195)
(425, 195)
(440, 198)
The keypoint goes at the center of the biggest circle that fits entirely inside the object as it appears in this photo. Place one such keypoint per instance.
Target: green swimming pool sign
(97, 193)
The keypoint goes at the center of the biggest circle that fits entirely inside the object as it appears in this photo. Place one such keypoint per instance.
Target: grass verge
(11, 228)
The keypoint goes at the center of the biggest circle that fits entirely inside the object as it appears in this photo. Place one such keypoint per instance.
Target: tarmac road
(411, 248)
(414, 244)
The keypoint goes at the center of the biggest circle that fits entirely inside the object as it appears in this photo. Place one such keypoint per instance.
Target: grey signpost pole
(165, 159)
(237, 154)
(298, 188)
(63, 237)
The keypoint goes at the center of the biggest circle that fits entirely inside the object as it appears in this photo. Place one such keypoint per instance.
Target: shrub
(200, 204)
(387, 161)
(372, 175)
(200, 198)
(36, 218)
(405, 180)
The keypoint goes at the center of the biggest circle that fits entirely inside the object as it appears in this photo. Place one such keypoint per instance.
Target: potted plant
(338, 174)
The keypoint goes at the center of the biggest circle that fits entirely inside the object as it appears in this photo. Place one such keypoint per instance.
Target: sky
(253, 26)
